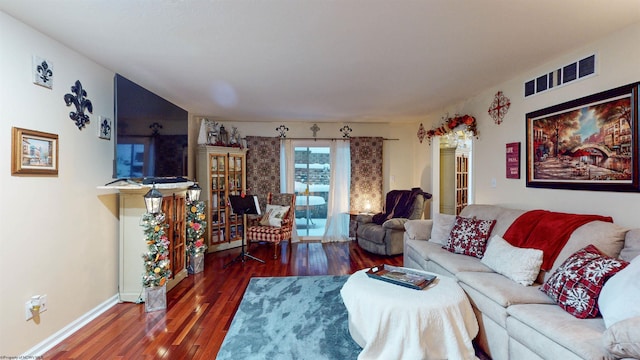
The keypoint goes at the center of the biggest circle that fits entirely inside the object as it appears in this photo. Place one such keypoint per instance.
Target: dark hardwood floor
(201, 307)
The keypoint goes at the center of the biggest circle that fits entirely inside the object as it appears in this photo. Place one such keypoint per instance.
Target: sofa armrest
(419, 229)
(364, 218)
(395, 224)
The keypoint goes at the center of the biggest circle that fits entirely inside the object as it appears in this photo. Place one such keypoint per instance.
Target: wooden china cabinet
(221, 171)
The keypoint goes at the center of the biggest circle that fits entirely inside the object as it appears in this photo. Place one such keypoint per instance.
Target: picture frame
(34, 152)
(589, 143)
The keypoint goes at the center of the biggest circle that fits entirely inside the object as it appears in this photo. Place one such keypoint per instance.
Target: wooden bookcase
(221, 171)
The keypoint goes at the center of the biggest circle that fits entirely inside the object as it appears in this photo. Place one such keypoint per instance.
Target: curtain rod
(312, 138)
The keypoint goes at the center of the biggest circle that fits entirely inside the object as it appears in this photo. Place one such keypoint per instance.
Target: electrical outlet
(28, 305)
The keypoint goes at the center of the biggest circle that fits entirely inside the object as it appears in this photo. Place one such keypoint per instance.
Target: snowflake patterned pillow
(469, 236)
(577, 283)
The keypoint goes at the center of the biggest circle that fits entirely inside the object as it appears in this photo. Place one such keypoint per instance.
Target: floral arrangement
(156, 260)
(453, 122)
(195, 228)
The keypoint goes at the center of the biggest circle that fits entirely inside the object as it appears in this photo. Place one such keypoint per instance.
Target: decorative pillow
(518, 264)
(442, 225)
(619, 296)
(469, 236)
(622, 339)
(273, 215)
(577, 283)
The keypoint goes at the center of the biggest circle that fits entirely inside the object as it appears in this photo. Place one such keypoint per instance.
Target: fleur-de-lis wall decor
(81, 103)
(42, 72)
(155, 128)
(282, 130)
(346, 131)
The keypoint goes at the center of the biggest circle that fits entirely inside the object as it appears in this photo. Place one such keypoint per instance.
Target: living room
(61, 233)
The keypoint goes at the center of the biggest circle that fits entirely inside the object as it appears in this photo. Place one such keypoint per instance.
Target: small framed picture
(104, 128)
(34, 153)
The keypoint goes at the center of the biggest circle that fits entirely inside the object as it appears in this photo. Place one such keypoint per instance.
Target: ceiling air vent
(566, 74)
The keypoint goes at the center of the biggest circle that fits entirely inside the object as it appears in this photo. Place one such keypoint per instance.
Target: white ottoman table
(393, 322)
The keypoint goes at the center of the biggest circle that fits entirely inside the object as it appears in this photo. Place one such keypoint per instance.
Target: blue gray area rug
(296, 317)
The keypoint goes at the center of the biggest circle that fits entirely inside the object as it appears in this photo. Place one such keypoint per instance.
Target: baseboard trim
(53, 340)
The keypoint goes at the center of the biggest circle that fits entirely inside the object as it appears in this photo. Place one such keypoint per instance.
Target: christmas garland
(156, 260)
(195, 228)
(451, 123)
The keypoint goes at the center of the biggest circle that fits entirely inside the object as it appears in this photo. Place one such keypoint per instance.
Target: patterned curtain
(263, 167)
(366, 174)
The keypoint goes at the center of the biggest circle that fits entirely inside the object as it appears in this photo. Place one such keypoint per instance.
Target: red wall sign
(513, 160)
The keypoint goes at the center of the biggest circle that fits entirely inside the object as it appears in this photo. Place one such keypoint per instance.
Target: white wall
(59, 234)
(617, 58)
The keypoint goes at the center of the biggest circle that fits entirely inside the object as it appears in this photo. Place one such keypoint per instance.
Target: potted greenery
(196, 226)
(156, 262)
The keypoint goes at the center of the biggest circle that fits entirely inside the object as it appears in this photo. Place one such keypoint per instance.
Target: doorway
(312, 177)
(455, 159)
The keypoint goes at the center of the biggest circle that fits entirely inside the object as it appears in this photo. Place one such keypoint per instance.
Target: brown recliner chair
(382, 233)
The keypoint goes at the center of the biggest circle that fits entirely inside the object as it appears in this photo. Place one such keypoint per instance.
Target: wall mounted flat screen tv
(151, 133)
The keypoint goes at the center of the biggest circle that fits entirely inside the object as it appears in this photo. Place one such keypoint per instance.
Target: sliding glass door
(312, 178)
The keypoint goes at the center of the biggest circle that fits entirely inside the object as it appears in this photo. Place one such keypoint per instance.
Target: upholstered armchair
(276, 224)
(382, 233)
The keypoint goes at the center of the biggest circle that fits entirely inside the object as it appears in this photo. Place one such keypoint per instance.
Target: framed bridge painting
(586, 144)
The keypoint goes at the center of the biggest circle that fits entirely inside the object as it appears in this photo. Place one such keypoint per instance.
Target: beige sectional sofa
(518, 321)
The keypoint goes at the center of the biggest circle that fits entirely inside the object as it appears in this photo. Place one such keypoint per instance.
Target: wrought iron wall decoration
(42, 72)
(315, 128)
(81, 103)
(346, 131)
(155, 128)
(421, 133)
(499, 107)
(282, 130)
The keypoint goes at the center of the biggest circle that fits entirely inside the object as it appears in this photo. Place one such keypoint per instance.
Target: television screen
(151, 133)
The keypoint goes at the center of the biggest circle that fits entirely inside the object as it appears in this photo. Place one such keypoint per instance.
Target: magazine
(401, 276)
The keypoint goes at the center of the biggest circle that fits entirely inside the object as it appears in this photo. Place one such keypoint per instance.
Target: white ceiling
(321, 60)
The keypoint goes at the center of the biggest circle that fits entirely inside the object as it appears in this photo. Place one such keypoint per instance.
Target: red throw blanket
(547, 231)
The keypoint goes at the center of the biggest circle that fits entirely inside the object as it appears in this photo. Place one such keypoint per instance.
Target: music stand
(244, 205)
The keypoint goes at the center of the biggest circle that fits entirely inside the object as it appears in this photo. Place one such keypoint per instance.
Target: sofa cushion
(502, 290)
(623, 338)
(518, 264)
(418, 229)
(619, 296)
(442, 225)
(541, 327)
(455, 263)
(607, 237)
(492, 293)
(631, 248)
(469, 236)
(577, 283)
(504, 217)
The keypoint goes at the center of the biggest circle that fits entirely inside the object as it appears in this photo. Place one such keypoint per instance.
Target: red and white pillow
(577, 283)
(469, 236)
